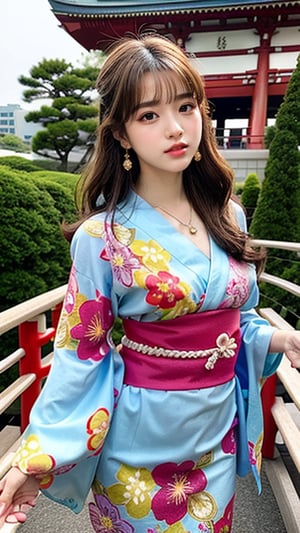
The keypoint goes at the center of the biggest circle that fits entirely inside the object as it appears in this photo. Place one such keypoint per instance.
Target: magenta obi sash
(190, 352)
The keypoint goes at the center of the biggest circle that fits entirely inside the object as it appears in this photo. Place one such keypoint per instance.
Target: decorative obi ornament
(193, 351)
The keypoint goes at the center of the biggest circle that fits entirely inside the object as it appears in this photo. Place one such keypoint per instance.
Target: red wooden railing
(33, 334)
(32, 340)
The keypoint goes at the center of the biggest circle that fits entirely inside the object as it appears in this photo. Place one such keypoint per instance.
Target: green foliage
(277, 215)
(117, 332)
(238, 188)
(34, 255)
(288, 117)
(250, 195)
(251, 190)
(61, 136)
(72, 110)
(12, 142)
(65, 179)
(269, 135)
(43, 79)
(63, 197)
(17, 162)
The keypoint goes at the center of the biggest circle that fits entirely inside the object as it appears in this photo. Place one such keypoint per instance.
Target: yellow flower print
(94, 228)
(124, 235)
(183, 307)
(133, 491)
(66, 322)
(258, 454)
(97, 427)
(202, 506)
(205, 460)
(31, 459)
(153, 256)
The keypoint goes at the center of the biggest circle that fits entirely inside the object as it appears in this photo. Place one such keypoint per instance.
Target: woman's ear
(122, 140)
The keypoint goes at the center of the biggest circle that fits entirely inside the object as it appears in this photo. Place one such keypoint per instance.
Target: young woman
(159, 427)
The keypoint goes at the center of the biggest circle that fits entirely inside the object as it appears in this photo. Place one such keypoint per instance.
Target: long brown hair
(208, 184)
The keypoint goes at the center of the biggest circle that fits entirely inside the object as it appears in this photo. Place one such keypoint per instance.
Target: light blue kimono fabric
(147, 271)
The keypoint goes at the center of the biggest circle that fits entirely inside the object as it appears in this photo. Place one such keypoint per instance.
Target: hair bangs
(167, 84)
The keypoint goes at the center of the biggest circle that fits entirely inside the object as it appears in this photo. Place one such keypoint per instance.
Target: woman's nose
(173, 129)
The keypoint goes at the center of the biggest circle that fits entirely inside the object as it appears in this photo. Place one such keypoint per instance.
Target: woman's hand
(292, 349)
(287, 341)
(18, 493)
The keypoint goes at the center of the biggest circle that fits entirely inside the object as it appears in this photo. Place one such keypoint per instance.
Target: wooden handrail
(281, 245)
(288, 286)
(31, 308)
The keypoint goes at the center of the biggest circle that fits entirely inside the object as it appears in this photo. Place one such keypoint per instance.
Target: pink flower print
(238, 287)
(229, 441)
(252, 456)
(224, 524)
(72, 290)
(203, 528)
(93, 330)
(105, 517)
(123, 262)
(178, 482)
(164, 290)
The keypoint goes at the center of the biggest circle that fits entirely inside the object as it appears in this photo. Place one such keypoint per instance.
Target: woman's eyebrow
(150, 103)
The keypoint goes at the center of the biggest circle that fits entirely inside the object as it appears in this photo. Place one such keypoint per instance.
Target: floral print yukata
(159, 460)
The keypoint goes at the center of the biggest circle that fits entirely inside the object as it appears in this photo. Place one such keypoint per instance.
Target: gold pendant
(193, 230)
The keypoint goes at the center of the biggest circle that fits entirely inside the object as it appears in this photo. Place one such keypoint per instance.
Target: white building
(12, 121)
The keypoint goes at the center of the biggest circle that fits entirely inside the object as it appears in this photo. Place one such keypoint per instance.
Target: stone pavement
(253, 513)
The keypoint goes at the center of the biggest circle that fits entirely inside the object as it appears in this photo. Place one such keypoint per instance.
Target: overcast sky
(29, 32)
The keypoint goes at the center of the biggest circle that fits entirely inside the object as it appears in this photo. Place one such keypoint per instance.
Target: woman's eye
(187, 107)
(148, 116)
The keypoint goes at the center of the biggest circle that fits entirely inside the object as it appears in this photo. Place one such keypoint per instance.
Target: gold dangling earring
(127, 163)
(197, 156)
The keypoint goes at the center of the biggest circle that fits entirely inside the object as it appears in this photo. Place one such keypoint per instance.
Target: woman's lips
(177, 149)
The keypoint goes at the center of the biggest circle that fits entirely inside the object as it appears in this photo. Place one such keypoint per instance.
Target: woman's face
(164, 134)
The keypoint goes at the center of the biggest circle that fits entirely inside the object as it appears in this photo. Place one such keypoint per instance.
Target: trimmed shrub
(19, 163)
(62, 195)
(277, 217)
(34, 255)
(250, 195)
(65, 179)
(277, 214)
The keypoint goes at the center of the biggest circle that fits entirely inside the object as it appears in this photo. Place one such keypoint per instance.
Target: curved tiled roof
(130, 7)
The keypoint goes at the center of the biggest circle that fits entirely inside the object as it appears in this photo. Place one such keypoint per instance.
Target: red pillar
(258, 117)
(268, 399)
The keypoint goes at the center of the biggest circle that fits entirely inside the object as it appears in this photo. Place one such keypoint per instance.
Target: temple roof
(96, 23)
(104, 8)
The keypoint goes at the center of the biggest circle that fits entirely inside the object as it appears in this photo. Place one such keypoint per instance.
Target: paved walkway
(253, 513)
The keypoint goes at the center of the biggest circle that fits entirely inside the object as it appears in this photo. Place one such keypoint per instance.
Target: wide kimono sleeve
(72, 415)
(254, 364)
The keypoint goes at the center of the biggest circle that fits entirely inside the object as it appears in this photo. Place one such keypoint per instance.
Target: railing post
(31, 340)
(268, 399)
(55, 314)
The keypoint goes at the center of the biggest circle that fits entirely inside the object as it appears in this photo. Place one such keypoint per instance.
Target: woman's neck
(163, 191)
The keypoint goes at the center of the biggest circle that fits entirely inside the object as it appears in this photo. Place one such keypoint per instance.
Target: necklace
(189, 225)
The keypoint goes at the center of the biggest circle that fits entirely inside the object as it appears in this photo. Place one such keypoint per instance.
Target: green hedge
(34, 255)
(18, 163)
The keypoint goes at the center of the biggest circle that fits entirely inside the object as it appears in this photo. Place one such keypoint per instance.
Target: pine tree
(70, 119)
